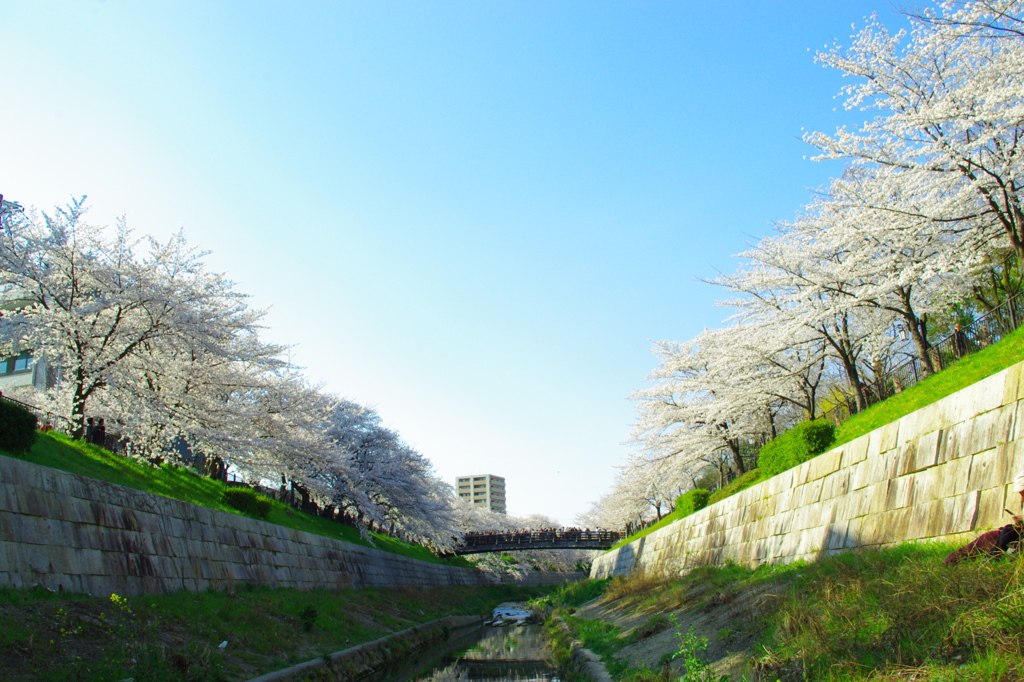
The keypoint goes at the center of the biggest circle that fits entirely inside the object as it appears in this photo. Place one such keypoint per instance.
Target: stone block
(856, 504)
(955, 441)
(853, 534)
(835, 485)
(24, 529)
(989, 468)
(764, 508)
(811, 491)
(27, 475)
(902, 459)
(942, 521)
(31, 501)
(824, 464)
(860, 475)
(8, 498)
(897, 524)
(926, 450)
(888, 441)
(965, 512)
(1014, 453)
(877, 498)
(784, 501)
(874, 444)
(933, 417)
(799, 475)
(835, 537)
(926, 486)
(1017, 432)
(900, 492)
(1011, 384)
(855, 451)
(952, 477)
(991, 507)
(991, 429)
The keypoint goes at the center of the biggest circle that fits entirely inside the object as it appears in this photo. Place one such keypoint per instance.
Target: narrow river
(513, 652)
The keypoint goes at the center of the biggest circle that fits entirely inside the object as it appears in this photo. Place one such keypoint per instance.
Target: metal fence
(984, 331)
(50, 421)
(56, 422)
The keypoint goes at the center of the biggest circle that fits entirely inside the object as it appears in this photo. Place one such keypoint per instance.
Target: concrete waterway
(498, 654)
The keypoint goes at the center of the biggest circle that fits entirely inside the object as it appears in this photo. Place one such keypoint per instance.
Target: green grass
(973, 368)
(671, 517)
(574, 594)
(880, 612)
(892, 614)
(738, 484)
(61, 452)
(45, 636)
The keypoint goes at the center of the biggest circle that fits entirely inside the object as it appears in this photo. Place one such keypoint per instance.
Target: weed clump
(307, 617)
(248, 502)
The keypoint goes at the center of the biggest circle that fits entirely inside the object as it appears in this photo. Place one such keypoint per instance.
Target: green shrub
(796, 446)
(247, 502)
(17, 428)
(692, 501)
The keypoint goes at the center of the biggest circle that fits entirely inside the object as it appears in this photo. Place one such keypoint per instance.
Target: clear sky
(472, 216)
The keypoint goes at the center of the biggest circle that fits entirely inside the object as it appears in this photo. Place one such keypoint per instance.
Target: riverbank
(212, 635)
(893, 614)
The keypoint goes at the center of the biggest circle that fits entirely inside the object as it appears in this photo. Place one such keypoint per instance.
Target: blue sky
(473, 216)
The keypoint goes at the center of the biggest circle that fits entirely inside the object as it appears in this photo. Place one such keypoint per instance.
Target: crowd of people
(528, 536)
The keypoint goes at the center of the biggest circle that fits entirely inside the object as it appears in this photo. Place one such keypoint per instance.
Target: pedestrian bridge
(557, 538)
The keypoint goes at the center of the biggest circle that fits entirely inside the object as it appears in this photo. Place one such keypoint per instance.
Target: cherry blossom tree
(109, 313)
(950, 110)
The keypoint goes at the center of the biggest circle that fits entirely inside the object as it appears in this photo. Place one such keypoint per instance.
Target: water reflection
(502, 654)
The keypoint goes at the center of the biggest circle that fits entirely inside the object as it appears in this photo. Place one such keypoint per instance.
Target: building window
(22, 363)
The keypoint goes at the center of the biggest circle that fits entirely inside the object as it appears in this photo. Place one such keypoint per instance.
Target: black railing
(554, 538)
(984, 331)
(56, 422)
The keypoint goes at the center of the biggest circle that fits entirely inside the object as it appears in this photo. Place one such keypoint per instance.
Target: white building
(21, 370)
(483, 490)
(18, 371)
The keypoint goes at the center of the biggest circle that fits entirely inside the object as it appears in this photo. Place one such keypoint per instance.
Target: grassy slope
(46, 636)
(77, 457)
(971, 369)
(893, 614)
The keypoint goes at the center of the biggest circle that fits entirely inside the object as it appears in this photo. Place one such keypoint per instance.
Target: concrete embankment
(937, 473)
(361, 660)
(65, 531)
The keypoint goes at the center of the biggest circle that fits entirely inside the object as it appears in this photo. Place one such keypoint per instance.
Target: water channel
(484, 654)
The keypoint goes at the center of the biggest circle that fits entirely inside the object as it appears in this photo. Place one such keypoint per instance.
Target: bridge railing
(531, 537)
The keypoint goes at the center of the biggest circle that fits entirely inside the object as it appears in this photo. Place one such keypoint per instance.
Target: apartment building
(483, 490)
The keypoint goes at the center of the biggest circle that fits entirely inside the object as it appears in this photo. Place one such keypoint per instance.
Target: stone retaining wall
(64, 531)
(939, 472)
(364, 659)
